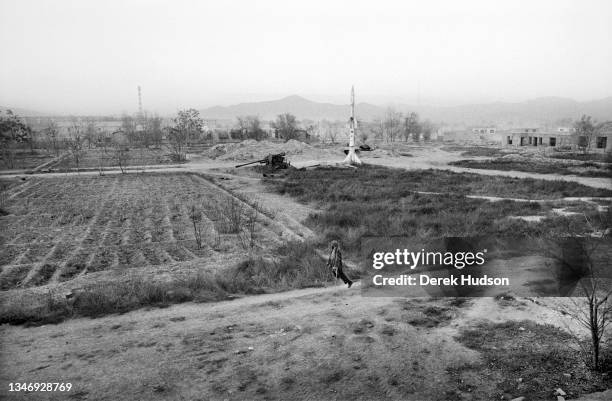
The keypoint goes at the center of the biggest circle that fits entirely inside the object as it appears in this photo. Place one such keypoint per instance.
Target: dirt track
(435, 158)
(422, 158)
(318, 343)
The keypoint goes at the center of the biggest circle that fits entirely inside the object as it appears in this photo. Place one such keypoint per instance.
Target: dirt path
(314, 343)
(436, 158)
(422, 158)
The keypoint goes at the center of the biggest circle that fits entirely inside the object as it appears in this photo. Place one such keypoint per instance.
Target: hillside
(540, 110)
(299, 106)
(534, 111)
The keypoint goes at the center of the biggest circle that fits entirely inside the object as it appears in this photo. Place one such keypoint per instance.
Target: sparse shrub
(227, 215)
(249, 229)
(196, 217)
(121, 157)
(232, 212)
(298, 266)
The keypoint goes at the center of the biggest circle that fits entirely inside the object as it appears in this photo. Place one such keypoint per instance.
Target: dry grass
(377, 201)
(589, 169)
(528, 359)
(297, 266)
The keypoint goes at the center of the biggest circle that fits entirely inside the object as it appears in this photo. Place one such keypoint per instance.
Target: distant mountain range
(300, 107)
(537, 111)
(545, 110)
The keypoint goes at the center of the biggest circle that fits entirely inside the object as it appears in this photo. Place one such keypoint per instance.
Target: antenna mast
(139, 103)
(351, 157)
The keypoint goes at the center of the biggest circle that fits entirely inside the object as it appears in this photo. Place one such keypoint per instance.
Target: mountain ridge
(537, 110)
(541, 110)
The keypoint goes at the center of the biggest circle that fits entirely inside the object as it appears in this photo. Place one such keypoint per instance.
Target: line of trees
(396, 126)
(248, 127)
(285, 125)
(80, 134)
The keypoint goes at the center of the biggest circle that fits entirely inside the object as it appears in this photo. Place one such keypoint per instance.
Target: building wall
(557, 140)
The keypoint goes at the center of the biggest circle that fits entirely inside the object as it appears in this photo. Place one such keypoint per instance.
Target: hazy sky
(89, 56)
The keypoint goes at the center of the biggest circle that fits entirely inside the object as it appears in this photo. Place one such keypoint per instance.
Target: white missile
(351, 157)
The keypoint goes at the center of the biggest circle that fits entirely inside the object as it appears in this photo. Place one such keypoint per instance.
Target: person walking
(335, 263)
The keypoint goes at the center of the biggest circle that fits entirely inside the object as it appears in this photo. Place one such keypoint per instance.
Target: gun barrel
(246, 164)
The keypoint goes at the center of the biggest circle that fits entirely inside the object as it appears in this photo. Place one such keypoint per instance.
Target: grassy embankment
(297, 266)
(539, 167)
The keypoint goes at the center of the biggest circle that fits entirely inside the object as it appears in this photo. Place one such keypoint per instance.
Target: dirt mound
(251, 149)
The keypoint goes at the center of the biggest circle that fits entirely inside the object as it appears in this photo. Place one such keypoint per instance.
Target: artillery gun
(272, 161)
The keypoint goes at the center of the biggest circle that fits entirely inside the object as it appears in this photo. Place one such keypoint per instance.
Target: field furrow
(70, 226)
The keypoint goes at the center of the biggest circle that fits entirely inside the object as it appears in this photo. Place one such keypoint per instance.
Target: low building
(534, 137)
(562, 138)
(531, 136)
(602, 142)
(484, 130)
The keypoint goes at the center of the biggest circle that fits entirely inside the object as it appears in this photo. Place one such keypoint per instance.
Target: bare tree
(581, 265)
(153, 129)
(286, 124)
(91, 132)
(121, 156)
(52, 133)
(333, 132)
(412, 127)
(378, 129)
(197, 219)
(105, 139)
(392, 124)
(593, 308)
(427, 129)
(187, 126)
(128, 127)
(586, 129)
(249, 229)
(178, 142)
(75, 142)
(250, 127)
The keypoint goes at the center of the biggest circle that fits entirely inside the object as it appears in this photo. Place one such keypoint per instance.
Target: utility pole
(139, 104)
(351, 157)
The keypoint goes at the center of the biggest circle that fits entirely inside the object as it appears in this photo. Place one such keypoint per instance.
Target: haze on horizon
(88, 57)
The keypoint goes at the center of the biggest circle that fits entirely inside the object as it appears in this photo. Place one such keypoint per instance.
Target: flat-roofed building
(561, 138)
